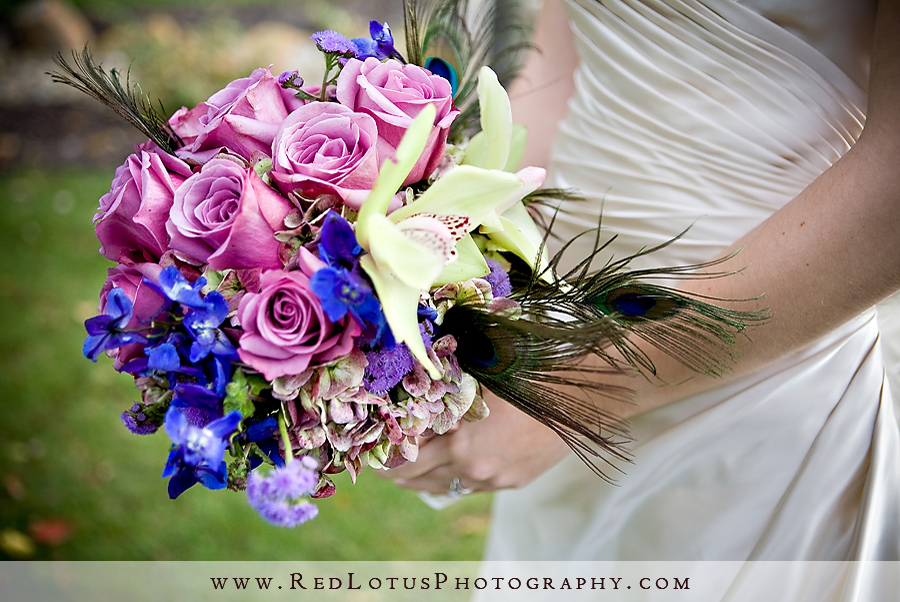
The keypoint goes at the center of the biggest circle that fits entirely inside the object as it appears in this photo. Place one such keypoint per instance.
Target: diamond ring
(456, 488)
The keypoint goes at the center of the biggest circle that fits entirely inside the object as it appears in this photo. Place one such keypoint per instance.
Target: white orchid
(426, 242)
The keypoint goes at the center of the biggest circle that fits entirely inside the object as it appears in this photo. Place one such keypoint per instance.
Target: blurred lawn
(69, 463)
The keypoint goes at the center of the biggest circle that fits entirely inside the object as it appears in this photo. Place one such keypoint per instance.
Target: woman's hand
(507, 449)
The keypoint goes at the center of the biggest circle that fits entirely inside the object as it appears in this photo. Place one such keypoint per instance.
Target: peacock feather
(127, 100)
(542, 368)
(554, 359)
(462, 37)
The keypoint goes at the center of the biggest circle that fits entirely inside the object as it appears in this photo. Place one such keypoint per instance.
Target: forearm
(826, 256)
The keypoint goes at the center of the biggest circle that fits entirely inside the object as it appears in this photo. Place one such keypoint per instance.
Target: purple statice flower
(197, 454)
(380, 45)
(386, 368)
(137, 421)
(498, 279)
(280, 497)
(107, 331)
(332, 42)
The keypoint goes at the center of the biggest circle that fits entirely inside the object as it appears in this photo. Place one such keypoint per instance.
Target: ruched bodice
(710, 116)
(683, 119)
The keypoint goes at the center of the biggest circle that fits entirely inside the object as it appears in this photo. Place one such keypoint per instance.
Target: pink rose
(393, 94)
(131, 222)
(285, 329)
(325, 148)
(226, 216)
(243, 117)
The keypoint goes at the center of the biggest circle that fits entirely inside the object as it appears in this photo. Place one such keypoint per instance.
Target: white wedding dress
(712, 114)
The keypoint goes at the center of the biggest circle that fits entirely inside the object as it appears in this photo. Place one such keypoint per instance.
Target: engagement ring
(456, 488)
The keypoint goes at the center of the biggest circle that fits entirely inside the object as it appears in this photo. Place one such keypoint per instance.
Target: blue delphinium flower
(108, 331)
(341, 286)
(262, 434)
(280, 498)
(163, 357)
(197, 454)
(380, 45)
(337, 243)
(203, 326)
(201, 400)
(175, 287)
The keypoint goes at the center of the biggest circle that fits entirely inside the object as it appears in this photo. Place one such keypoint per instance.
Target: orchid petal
(400, 302)
(516, 147)
(393, 173)
(513, 239)
(466, 190)
(477, 148)
(408, 260)
(496, 119)
(469, 263)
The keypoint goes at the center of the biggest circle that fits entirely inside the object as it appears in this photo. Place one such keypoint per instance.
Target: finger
(440, 482)
(426, 439)
(431, 456)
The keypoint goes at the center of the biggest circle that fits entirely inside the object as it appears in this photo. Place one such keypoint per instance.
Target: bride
(743, 120)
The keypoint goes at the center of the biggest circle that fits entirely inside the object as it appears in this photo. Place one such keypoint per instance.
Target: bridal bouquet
(310, 276)
(283, 275)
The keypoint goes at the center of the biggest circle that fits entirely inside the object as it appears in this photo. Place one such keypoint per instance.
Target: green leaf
(237, 395)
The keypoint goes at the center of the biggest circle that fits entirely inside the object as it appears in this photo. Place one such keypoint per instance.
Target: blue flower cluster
(185, 348)
(198, 453)
(341, 286)
(380, 44)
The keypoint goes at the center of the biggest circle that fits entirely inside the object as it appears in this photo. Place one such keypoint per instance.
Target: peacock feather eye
(442, 68)
(634, 303)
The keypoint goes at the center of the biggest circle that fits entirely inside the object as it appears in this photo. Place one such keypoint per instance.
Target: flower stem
(285, 438)
(329, 65)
